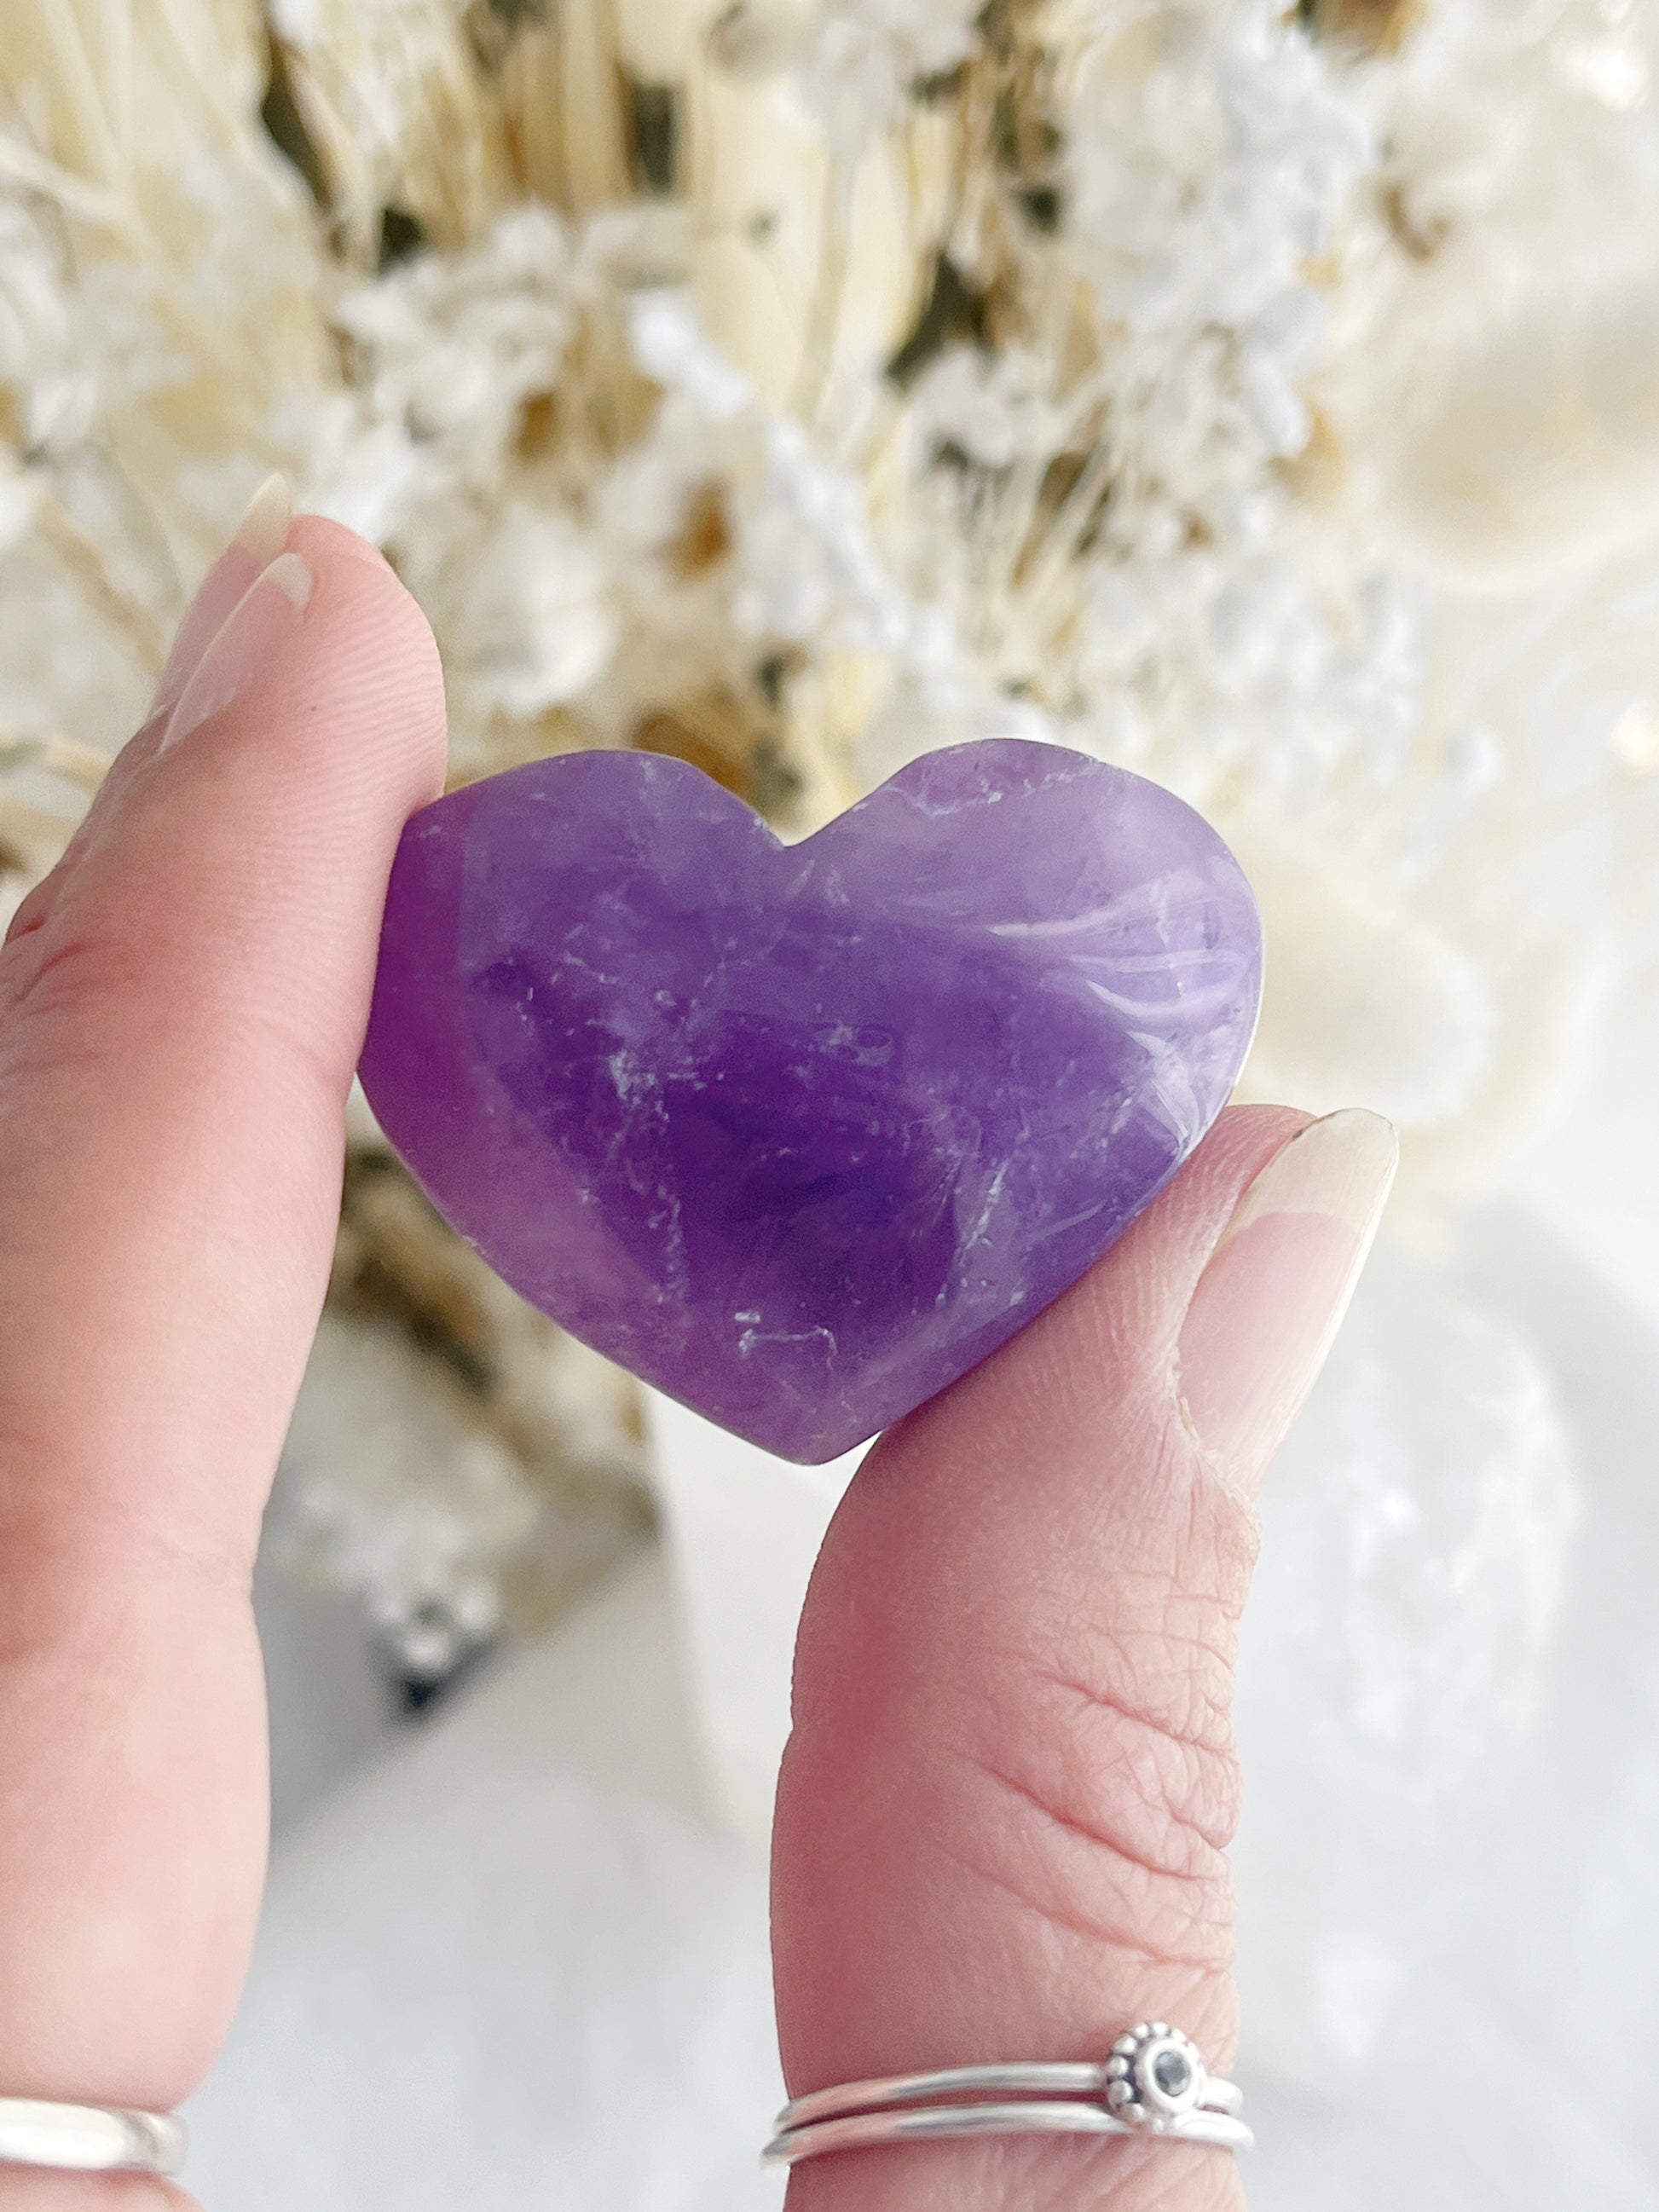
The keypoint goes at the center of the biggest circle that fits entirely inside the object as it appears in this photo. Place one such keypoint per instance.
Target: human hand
(1002, 1812)
(181, 1005)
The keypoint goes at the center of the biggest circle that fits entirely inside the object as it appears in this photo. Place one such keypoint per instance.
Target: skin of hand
(1002, 1815)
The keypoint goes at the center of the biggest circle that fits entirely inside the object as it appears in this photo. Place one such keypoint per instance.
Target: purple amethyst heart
(800, 1133)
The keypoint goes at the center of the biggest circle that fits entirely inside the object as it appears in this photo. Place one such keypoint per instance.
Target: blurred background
(1264, 398)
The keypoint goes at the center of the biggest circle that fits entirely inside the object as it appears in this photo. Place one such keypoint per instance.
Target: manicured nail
(264, 619)
(258, 537)
(1277, 1285)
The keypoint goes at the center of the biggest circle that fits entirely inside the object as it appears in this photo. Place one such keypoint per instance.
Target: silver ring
(1153, 2083)
(89, 2138)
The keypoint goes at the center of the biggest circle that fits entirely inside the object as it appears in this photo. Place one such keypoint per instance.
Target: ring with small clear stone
(89, 2138)
(1152, 2084)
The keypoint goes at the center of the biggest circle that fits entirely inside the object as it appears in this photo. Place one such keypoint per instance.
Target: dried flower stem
(82, 558)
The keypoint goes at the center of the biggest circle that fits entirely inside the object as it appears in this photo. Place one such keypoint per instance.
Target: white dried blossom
(57, 393)
(537, 612)
(18, 503)
(450, 346)
(806, 564)
(861, 60)
(1253, 244)
(995, 409)
(1280, 421)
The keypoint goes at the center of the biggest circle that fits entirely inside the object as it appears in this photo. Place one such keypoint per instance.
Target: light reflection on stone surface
(800, 1133)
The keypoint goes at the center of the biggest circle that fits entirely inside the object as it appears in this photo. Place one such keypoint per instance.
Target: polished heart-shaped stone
(800, 1133)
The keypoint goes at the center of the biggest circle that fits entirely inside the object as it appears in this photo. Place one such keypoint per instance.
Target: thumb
(1004, 1809)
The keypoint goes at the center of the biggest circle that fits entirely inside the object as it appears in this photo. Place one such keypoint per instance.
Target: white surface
(743, 1529)
(332, 1704)
(478, 1966)
(1596, 1181)
(483, 1964)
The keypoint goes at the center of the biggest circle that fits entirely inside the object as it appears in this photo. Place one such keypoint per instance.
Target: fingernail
(258, 537)
(264, 619)
(1277, 1285)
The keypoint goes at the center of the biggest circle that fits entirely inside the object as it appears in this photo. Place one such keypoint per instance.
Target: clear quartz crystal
(1417, 1526)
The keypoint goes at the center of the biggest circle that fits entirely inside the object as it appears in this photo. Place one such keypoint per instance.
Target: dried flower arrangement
(1266, 400)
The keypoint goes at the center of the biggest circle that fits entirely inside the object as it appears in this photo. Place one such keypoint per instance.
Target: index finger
(180, 1012)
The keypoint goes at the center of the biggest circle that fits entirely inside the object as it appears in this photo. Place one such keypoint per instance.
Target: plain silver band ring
(868, 2130)
(1082, 2078)
(89, 2138)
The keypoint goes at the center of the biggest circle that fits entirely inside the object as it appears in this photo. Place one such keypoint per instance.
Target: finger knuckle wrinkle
(54, 969)
(1174, 1677)
(75, 994)
(1102, 1821)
